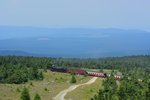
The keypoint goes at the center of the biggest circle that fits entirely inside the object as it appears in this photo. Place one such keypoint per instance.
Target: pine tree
(37, 97)
(25, 94)
(148, 93)
(73, 79)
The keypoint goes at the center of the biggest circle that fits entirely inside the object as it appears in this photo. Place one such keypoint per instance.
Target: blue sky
(126, 14)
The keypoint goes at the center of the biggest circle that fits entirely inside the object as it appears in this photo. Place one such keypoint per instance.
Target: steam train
(78, 71)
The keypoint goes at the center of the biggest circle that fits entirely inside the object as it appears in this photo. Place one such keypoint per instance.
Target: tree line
(22, 69)
(17, 69)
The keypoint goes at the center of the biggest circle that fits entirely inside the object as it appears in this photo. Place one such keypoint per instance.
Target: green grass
(85, 92)
(48, 88)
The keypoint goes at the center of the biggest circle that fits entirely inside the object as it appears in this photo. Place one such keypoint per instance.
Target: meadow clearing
(50, 86)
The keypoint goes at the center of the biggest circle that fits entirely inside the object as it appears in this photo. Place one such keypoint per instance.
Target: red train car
(77, 71)
(96, 74)
(83, 72)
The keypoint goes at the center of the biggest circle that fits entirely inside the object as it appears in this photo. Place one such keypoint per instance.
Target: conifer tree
(73, 79)
(37, 97)
(25, 94)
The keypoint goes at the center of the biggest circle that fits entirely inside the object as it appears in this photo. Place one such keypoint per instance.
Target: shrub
(73, 79)
(25, 94)
(31, 84)
(18, 90)
(46, 89)
(37, 97)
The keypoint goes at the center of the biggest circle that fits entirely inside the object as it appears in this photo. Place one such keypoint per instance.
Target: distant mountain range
(73, 42)
(21, 53)
(14, 53)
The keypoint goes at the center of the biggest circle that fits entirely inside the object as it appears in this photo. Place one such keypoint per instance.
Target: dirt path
(63, 93)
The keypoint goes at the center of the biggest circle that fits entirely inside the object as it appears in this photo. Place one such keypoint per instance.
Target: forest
(134, 85)
(21, 69)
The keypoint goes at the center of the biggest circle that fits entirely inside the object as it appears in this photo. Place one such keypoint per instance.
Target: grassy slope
(48, 88)
(85, 92)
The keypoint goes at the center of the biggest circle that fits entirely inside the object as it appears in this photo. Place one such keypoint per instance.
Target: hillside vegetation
(33, 73)
(47, 88)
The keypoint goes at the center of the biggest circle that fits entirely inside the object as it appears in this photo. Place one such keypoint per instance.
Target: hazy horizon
(74, 42)
(126, 14)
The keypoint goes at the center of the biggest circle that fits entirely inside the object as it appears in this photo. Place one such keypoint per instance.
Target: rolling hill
(74, 42)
